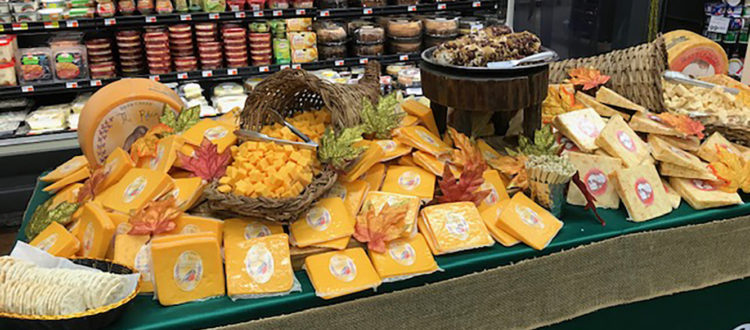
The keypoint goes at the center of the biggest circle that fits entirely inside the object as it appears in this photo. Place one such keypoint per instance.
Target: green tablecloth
(580, 228)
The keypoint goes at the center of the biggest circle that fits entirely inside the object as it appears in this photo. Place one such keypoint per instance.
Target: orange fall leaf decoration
(207, 162)
(378, 228)
(682, 123)
(466, 187)
(588, 77)
(466, 148)
(732, 169)
(155, 217)
(514, 167)
(145, 146)
(92, 186)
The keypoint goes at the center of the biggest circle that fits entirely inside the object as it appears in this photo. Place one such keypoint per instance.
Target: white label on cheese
(134, 189)
(409, 180)
(188, 270)
(342, 267)
(457, 226)
(402, 253)
(255, 230)
(123, 125)
(47, 243)
(529, 217)
(318, 218)
(259, 263)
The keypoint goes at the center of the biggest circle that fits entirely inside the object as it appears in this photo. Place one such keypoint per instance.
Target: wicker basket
(737, 132)
(288, 92)
(636, 72)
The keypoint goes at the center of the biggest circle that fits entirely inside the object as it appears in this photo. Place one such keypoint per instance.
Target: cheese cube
(378, 199)
(491, 216)
(454, 227)
(329, 219)
(620, 141)
(259, 266)
(409, 180)
(642, 193)
(581, 126)
(56, 240)
(702, 194)
(338, 273)
(495, 185)
(135, 189)
(96, 231)
(529, 222)
(594, 171)
(133, 251)
(69, 167)
(404, 257)
(668, 153)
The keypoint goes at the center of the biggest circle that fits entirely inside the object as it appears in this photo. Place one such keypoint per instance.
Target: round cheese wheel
(121, 112)
(695, 55)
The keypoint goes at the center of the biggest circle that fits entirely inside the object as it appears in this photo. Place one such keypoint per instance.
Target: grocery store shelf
(200, 75)
(38, 144)
(247, 15)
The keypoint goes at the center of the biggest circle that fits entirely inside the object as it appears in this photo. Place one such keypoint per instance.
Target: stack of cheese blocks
(616, 145)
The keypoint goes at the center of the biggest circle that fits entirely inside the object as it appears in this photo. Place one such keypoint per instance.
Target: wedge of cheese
(335, 244)
(237, 229)
(187, 191)
(674, 196)
(422, 112)
(374, 176)
(701, 194)
(420, 138)
(671, 170)
(409, 180)
(56, 240)
(219, 133)
(135, 189)
(431, 164)
(594, 171)
(603, 110)
(72, 165)
(406, 160)
(642, 193)
(491, 216)
(378, 199)
(68, 194)
(567, 144)
(487, 151)
(494, 183)
(96, 231)
(366, 161)
(708, 150)
(190, 224)
(392, 149)
(117, 164)
(668, 153)
(259, 266)
(338, 273)
(453, 227)
(619, 140)
(78, 175)
(529, 222)
(690, 143)
(409, 120)
(403, 258)
(610, 97)
(133, 251)
(166, 154)
(581, 126)
(329, 219)
(646, 122)
(352, 193)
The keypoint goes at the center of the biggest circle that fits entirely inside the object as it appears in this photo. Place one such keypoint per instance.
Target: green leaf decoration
(338, 149)
(168, 117)
(380, 120)
(43, 216)
(543, 144)
(187, 118)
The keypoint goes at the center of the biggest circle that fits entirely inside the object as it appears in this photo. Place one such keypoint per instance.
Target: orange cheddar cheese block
(374, 176)
(420, 138)
(701, 194)
(367, 160)
(529, 222)
(708, 150)
(580, 126)
(603, 110)
(259, 266)
(404, 258)
(187, 268)
(136, 188)
(392, 149)
(673, 195)
(219, 133)
(672, 170)
(406, 160)
(594, 172)
(431, 164)
(68, 194)
(236, 229)
(352, 193)
(187, 191)
(377, 199)
(668, 153)
(56, 240)
(646, 122)
(619, 140)
(338, 273)
(491, 216)
(117, 164)
(336, 244)
(494, 183)
(69, 167)
(79, 175)
(96, 231)
(133, 251)
(690, 143)
(409, 180)
(610, 97)
(409, 120)
(454, 227)
(422, 112)
(166, 153)
(489, 153)
(121, 112)
(642, 193)
(329, 219)
(121, 222)
(189, 224)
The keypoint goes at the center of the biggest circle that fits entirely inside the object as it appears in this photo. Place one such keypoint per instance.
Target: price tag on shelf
(325, 13)
(411, 8)
(719, 24)
(278, 13)
(263, 69)
(213, 16)
(110, 21)
(300, 12)
(363, 60)
(232, 72)
(19, 26)
(71, 84)
(27, 89)
(150, 19)
(476, 27)
(476, 4)
(182, 75)
(297, 66)
(414, 91)
(234, 8)
(95, 83)
(207, 73)
(71, 23)
(186, 17)
(284, 66)
(154, 77)
(338, 62)
(367, 11)
(441, 6)
(258, 13)
(2, 27)
(51, 25)
(403, 57)
(239, 14)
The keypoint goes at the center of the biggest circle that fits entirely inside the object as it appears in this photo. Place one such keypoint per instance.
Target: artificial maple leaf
(155, 217)
(207, 162)
(466, 148)
(466, 188)
(590, 78)
(378, 228)
(682, 123)
(92, 186)
(145, 146)
(590, 199)
(512, 166)
(732, 169)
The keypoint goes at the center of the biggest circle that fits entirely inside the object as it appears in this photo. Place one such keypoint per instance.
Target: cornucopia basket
(288, 92)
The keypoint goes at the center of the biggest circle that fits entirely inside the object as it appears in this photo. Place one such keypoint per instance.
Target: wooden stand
(503, 92)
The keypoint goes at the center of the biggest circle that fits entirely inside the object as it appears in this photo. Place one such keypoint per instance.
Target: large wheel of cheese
(120, 113)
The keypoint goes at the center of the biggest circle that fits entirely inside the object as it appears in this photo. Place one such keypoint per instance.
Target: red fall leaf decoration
(154, 217)
(378, 228)
(588, 77)
(466, 187)
(207, 162)
(92, 186)
(590, 199)
(682, 123)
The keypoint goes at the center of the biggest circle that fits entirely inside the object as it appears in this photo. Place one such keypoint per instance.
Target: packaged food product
(145, 7)
(404, 45)
(369, 35)
(403, 27)
(164, 7)
(6, 18)
(102, 70)
(106, 9)
(50, 14)
(302, 3)
(74, 13)
(330, 51)
(81, 3)
(281, 51)
(213, 6)
(194, 5)
(8, 48)
(278, 4)
(228, 88)
(224, 104)
(369, 49)
(29, 16)
(299, 24)
(330, 31)
(4, 8)
(24, 7)
(373, 3)
(468, 25)
(305, 55)
(8, 74)
(441, 26)
(126, 7)
(181, 6)
(299, 40)
(34, 65)
(333, 4)
(256, 4)
(278, 28)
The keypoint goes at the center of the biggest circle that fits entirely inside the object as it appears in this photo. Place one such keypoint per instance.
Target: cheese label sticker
(159, 154)
(88, 238)
(427, 138)
(493, 197)
(190, 229)
(644, 191)
(387, 145)
(596, 181)
(402, 253)
(47, 243)
(337, 190)
(626, 141)
(529, 217)
(69, 166)
(318, 218)
(259, 263)
(489, 155)
(409, 180)
(188, 270)
(567, 144)
(142, 262)
(215, 133)
(134, 189)
(342, 267)
(702, 185)
(457, 226)
(123, 228)
(588, 128)
(256, 230)
(654, 118)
